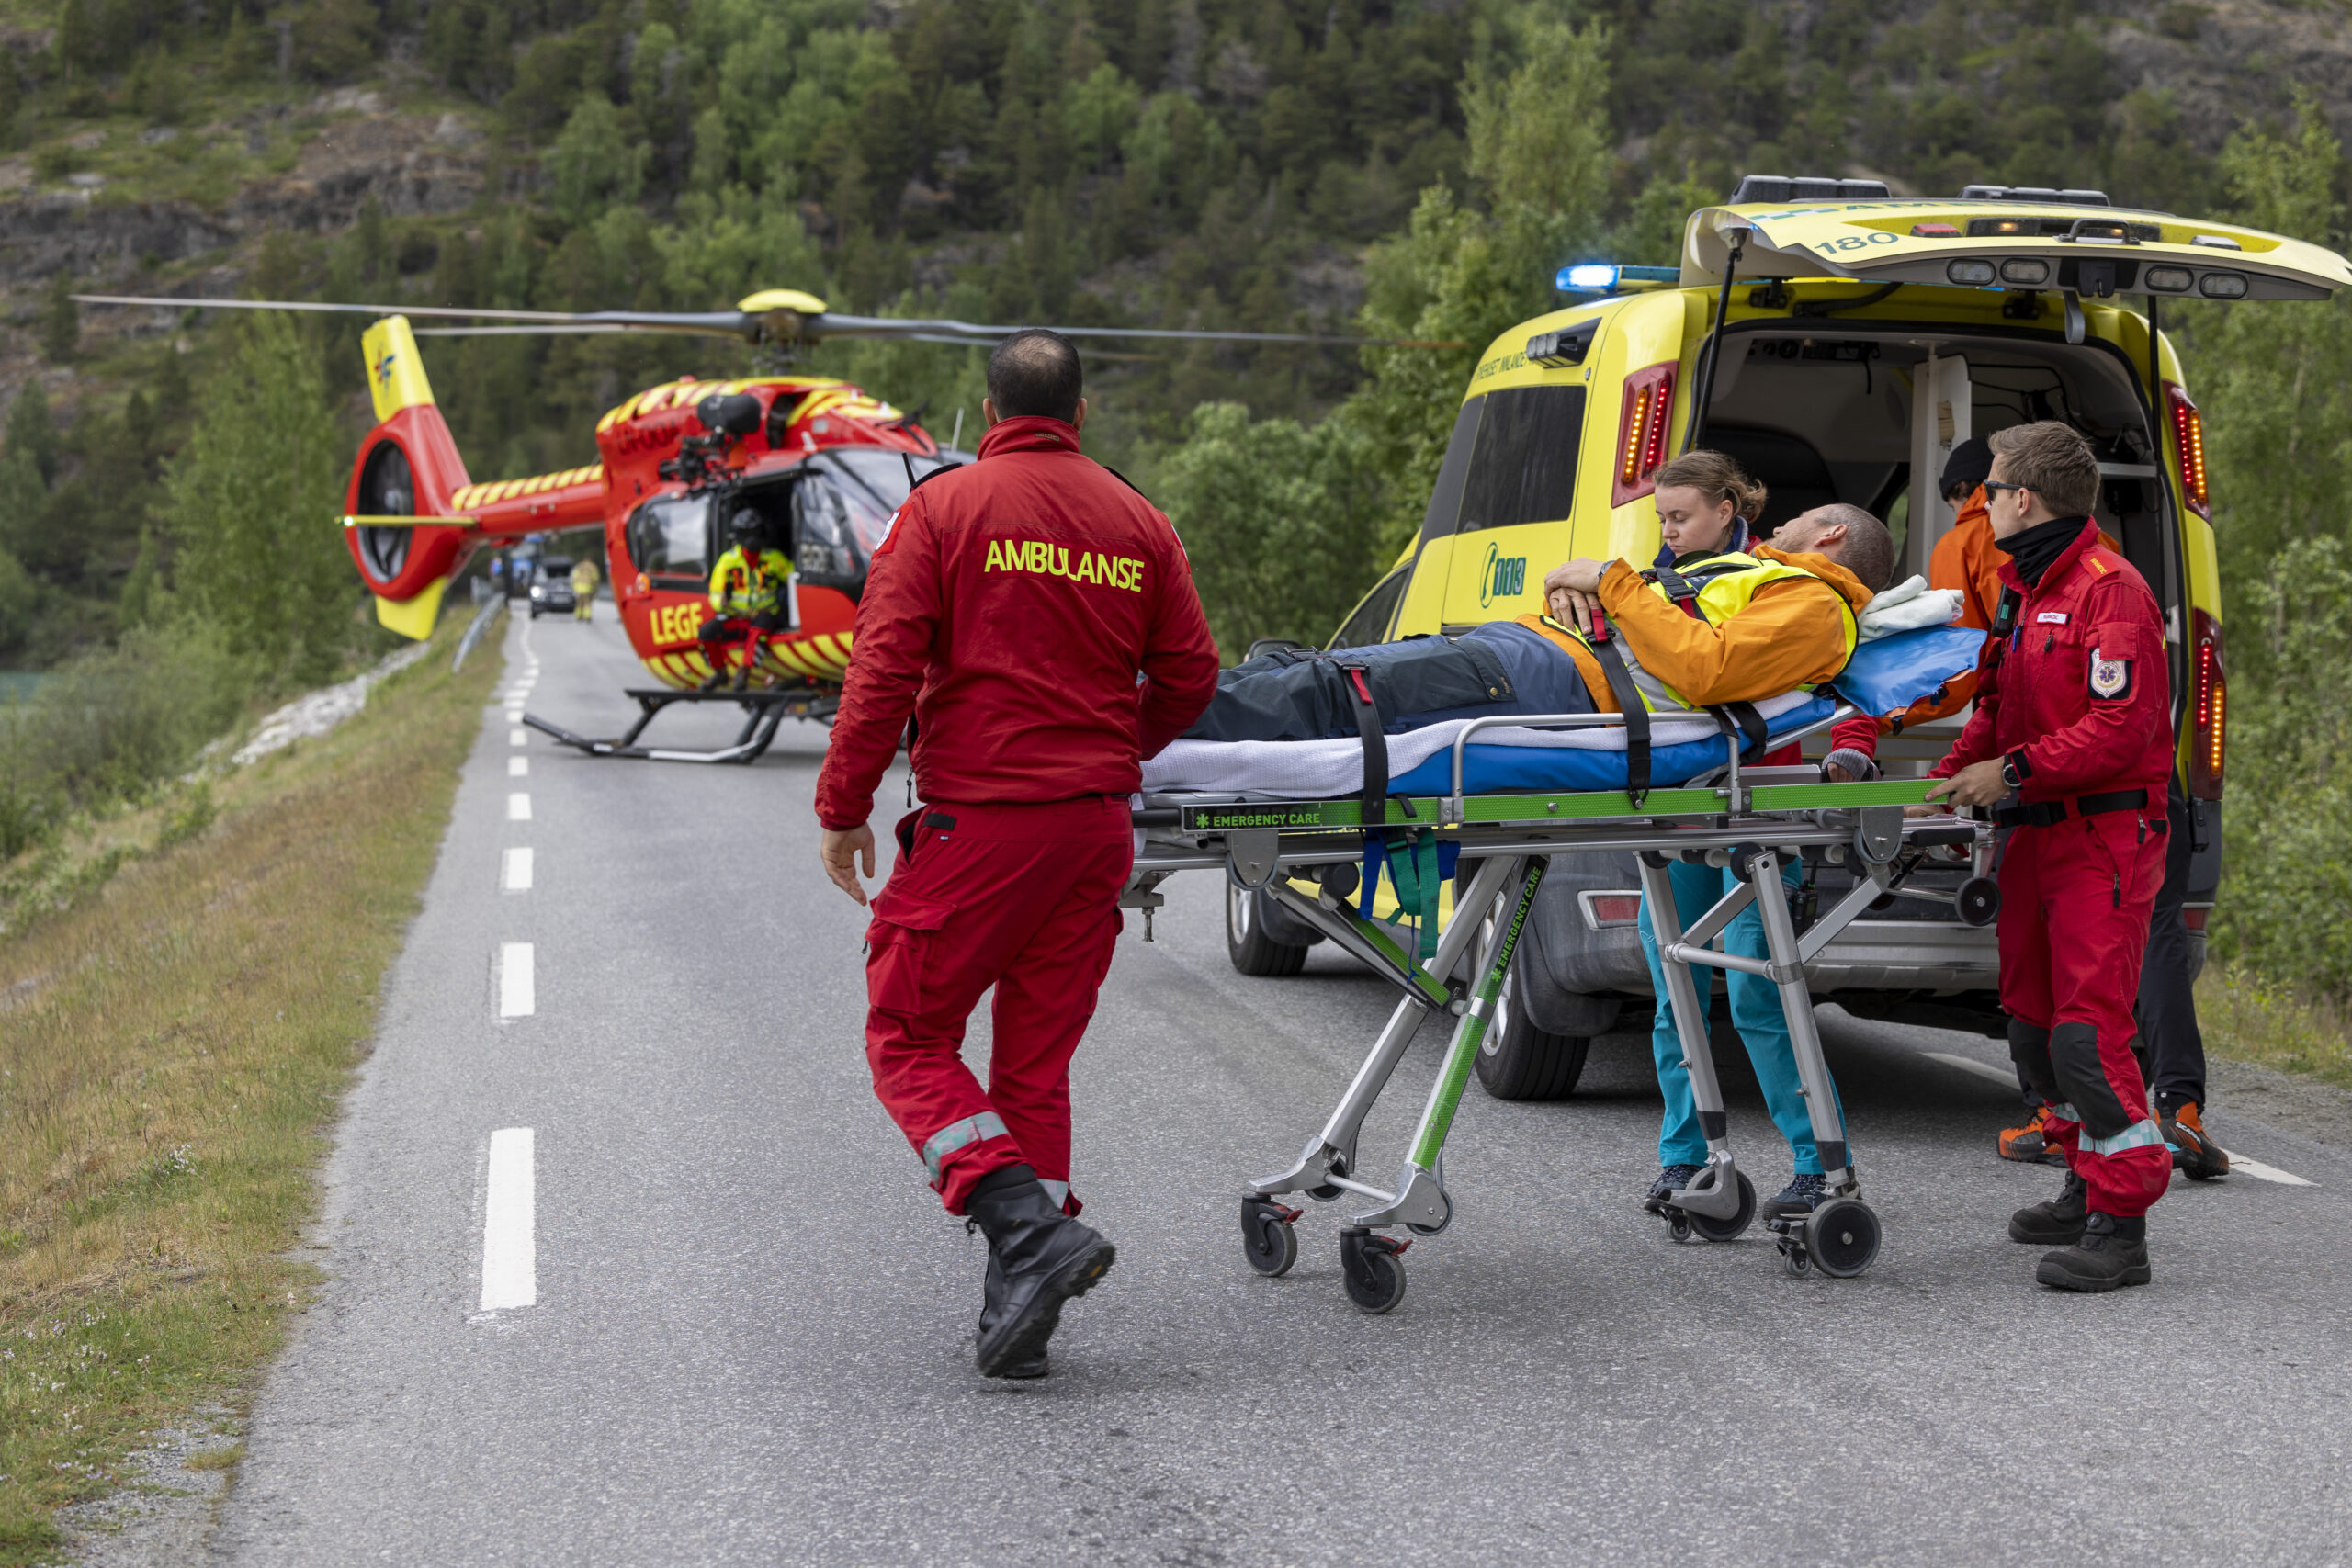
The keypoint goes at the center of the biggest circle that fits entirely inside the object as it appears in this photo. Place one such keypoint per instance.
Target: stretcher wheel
(1248, 936)
(1267, 1239)
(1843, 1237)
(1793, 1255)
(1978, 902)
(1737, 1225)
(1678, 1226)
(1369, 1265)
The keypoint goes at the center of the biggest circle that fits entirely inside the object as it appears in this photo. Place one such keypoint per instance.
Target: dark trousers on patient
(1293, 694)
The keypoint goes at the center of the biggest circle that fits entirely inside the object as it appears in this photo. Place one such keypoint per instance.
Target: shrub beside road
(172, 1053)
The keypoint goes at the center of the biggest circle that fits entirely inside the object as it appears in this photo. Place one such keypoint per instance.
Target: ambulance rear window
(1523, 469)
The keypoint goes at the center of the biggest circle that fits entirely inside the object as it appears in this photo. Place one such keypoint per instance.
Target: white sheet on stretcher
(1311, 769)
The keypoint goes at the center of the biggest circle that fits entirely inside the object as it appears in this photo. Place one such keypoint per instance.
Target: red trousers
(1021, 897)
(2075, 903)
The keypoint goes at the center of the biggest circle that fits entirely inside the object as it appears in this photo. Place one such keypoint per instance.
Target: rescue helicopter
(821, 463)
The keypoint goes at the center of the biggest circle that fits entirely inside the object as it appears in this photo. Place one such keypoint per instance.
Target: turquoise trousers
(1755, 1013)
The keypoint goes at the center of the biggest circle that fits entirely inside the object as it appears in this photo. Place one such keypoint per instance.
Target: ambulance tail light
(2209, 689)
(1642, 432)
(2188, 444)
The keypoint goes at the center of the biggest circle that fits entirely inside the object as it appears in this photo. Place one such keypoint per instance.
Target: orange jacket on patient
(1791, 634)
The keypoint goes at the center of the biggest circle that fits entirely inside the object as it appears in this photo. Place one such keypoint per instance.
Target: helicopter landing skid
(764, 711)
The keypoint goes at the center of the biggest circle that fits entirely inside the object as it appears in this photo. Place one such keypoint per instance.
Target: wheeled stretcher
(1753, 819)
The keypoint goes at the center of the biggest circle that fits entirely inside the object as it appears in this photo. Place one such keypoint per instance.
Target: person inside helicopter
(748, 597)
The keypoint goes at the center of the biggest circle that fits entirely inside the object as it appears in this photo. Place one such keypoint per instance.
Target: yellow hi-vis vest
(747, 583)
(1724, 584)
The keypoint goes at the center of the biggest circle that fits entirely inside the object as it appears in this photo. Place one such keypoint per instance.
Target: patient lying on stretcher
(1718, 620)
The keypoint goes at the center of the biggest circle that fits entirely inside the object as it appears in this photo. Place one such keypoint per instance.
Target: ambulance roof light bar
(1608, 277)
(2040, 195)
(1805, 188)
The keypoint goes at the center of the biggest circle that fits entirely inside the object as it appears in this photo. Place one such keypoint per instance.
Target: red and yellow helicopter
(822, 462)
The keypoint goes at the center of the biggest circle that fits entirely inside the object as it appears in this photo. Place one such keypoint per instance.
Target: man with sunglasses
(2072, 739)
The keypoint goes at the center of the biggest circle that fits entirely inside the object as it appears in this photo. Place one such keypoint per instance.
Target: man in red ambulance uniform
(1036, 619)
(2074, 718)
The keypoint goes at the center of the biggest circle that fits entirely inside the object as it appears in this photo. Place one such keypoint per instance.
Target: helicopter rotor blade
(940, 330)
(738, 324)
(733, 323)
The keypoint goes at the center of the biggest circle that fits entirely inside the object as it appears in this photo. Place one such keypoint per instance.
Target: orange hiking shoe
(2195, 1154)
(2029, 1144)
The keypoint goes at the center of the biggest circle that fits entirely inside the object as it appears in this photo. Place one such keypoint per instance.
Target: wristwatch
(2009, 772)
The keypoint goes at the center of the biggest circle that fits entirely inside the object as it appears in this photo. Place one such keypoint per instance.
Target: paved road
(749, 1335)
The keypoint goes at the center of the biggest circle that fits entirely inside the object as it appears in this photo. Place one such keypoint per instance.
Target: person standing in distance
(1036, 619)
(2074, 718)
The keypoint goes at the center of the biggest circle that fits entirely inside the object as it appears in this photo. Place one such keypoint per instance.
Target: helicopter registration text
(676, 622)
(1054, 560)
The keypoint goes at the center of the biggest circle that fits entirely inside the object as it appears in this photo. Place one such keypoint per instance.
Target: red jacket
(2080, 692)
(1011, 610)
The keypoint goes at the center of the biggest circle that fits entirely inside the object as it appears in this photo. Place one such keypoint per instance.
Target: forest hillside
(1408, 168)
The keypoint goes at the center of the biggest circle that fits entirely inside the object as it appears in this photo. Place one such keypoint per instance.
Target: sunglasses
(1993, 486)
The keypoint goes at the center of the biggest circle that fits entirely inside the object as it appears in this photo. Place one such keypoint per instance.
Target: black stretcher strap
(1743, 719)
(1375, 745)
(1636, 712)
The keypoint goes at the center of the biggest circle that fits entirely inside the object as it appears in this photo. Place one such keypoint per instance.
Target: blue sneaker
(1801, 1196)
(1668, 1180)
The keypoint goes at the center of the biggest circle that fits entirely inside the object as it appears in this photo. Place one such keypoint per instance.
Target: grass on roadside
(173, 1052)
(2249, 1019)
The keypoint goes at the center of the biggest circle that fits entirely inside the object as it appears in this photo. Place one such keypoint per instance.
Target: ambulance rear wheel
(1518, 1061)
(1248, 940)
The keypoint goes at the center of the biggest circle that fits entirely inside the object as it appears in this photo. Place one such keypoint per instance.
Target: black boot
(992, 1310)
(1048, 1257)
(2056, 1223)
(2111, 1254)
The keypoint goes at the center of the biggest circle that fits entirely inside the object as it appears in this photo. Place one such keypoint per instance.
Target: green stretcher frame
(1748, 823)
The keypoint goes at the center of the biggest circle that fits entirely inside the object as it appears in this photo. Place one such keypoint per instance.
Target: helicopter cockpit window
(671, 537)
(841, 511)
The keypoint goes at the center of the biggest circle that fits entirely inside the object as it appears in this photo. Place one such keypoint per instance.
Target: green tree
(592, 165)
(1278, 519)
(2274, 377)
(61, 321)
(249, 503)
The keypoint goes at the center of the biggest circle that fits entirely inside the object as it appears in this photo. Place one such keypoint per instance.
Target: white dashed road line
(518, 767)
(510, 1262)
(516, 737)
(515, 873)
(1971, 1065)
(2239, 1164)
(518, 807)
(517, 987)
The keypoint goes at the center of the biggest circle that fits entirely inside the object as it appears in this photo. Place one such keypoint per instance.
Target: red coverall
(1011, 611)
(2078, 698)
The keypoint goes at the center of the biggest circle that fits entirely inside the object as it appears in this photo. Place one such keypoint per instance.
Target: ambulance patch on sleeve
(2111, 678)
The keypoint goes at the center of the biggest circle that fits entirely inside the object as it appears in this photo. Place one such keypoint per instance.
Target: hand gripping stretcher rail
(1754, 820)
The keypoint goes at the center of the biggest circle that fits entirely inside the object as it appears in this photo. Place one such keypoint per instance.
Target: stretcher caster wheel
(1978, 902)
(1267, 1239)
(1376, 1279)
(1842, 1236)
(1735, 1226)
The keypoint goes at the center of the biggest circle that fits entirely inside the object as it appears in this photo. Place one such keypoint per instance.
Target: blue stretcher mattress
(1503, 770)
(1885, 677)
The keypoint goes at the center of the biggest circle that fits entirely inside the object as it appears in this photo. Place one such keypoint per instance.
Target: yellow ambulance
(1838, 342)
